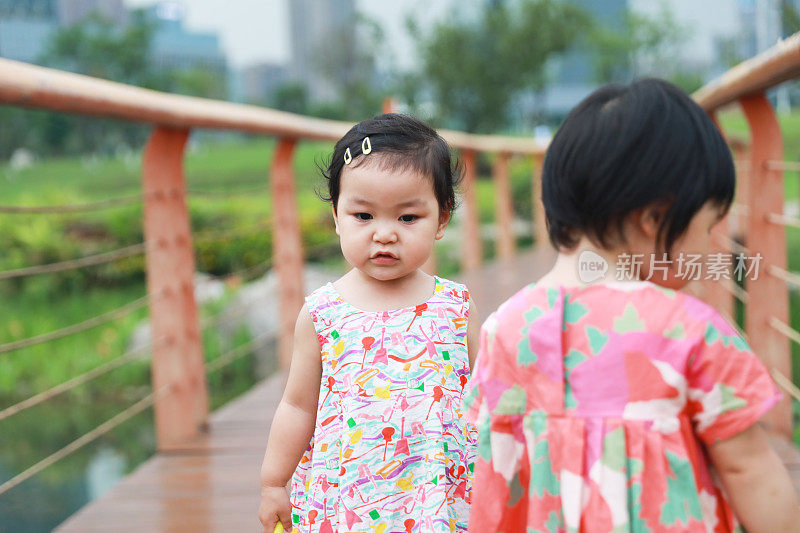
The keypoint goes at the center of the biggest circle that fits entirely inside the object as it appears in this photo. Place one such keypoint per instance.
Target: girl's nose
(384, 233)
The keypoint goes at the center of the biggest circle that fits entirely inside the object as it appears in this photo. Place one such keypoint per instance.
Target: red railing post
(178, 362)
(506, 244)
(716, 295)
(287, 246)
(767, 295)
(389, 105)
(472, 255)
(741, 156)
(539, 224)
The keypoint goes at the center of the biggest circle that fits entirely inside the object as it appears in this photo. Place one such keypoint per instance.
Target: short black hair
(629, 146)
(404, 142)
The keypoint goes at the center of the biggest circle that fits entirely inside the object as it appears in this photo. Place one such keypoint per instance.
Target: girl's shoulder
(323, 299)
(624, 307)
(450, 292)
(676, 314)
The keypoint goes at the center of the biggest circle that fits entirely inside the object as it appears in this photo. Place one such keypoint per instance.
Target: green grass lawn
(735, 125)
(222, 167)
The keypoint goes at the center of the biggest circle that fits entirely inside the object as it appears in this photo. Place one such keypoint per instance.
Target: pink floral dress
(391, 451)
(595, 405)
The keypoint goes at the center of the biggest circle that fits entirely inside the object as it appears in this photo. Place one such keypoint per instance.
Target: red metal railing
(178, 372)
(758, 218)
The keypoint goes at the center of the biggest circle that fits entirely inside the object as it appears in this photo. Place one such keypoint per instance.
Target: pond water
(51, 496)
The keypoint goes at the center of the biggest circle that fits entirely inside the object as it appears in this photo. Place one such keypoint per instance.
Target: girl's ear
(648, 220)
(335, 221)
(444, 219)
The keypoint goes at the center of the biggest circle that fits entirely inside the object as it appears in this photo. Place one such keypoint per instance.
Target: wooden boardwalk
(212, 483)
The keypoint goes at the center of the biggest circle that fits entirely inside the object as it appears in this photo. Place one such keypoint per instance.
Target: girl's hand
(293, 425)
(275, 506)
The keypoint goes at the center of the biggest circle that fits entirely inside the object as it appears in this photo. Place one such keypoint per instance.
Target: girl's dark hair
(625, 147)
(404, 142)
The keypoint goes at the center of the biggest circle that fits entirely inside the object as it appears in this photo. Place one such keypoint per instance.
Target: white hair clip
(366, 146)
(348, 157)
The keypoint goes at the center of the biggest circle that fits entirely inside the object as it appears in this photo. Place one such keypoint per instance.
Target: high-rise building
(260, 81)
(29, 9)
(706, 26)
(73, 11)
(572, 75)
(25, 27)
(175, 47)
(323, 43)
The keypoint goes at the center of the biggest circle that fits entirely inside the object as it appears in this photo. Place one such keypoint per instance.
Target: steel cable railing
(73, 208)
(141, 353)
(83, 440)
(80, 326)
(73, 264)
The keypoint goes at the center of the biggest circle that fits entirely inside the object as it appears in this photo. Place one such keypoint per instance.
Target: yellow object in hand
(279, 528)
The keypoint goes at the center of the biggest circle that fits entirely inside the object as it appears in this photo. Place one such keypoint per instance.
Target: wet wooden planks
(209, 485)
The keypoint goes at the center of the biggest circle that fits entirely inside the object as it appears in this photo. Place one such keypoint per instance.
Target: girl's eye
(363, 216)
(408, 218)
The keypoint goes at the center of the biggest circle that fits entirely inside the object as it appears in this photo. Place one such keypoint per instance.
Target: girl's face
(387, 220)
(694, 241)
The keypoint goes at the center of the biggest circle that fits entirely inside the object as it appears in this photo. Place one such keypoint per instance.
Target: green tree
(730, 52)
(95, 46)
(790, 17)
(641, 46)
(475, 68)
(292, 97)
(196, 81)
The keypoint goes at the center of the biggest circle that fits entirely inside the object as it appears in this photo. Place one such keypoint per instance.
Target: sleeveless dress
(595, 407)
(391, 450)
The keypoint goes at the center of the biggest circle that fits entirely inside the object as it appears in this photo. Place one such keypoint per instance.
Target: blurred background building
(322, 34)
(173, 46)
(27, 26)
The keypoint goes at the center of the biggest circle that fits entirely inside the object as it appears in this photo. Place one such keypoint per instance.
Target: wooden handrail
(26, 85)
(764, 71)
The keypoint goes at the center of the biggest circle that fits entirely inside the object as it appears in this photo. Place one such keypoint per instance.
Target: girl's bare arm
(758, 486)
(293, 424)
(473, 334)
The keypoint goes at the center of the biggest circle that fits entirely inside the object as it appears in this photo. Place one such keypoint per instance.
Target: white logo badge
(591, 266)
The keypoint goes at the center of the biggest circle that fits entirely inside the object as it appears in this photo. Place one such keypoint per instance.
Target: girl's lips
(384, 258)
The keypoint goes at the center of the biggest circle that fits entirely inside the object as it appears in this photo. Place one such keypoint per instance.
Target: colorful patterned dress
(391, 450)
(594, 406)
